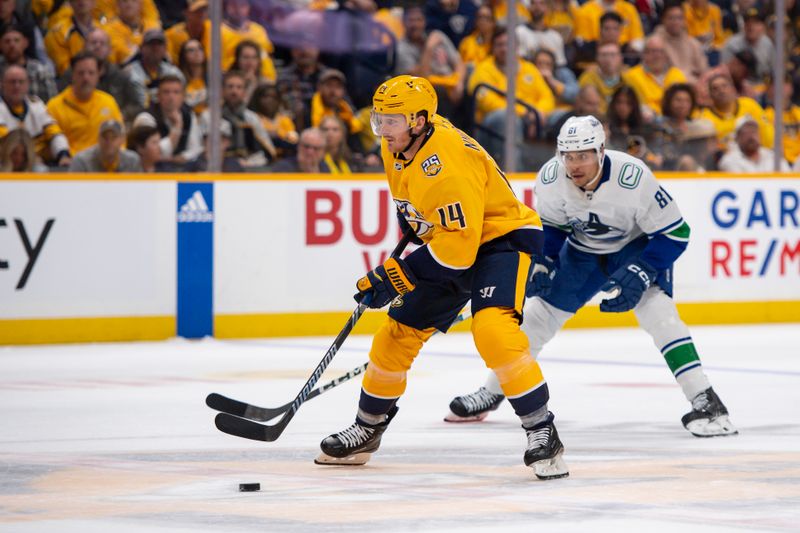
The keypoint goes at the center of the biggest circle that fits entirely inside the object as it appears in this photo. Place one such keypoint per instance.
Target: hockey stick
(241, 409)
(242, 427)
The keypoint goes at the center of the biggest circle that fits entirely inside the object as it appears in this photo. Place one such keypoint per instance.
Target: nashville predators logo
(432, 166)
(414, 218)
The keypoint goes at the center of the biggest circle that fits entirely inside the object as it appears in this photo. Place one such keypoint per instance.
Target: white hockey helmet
(579, 134)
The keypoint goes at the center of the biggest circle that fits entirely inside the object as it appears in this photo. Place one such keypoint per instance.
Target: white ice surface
(117, 438)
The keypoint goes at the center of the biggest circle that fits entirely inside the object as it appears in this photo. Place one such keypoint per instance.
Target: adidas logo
(195, 210)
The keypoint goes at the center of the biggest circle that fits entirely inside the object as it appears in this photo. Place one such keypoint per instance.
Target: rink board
(270, 255)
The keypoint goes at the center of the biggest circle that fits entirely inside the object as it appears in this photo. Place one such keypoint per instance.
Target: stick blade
(247, 429)
(218, 402)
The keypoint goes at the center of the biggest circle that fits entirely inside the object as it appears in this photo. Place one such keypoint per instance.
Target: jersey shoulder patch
(432, 166)
(549, 173)
(629, 175)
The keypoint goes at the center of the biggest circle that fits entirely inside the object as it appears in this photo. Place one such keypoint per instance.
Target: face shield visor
(388, 125)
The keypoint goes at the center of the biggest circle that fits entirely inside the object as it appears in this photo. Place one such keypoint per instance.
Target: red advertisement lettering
(323, 207)
(746, 257)
(362, 237)
(720, 255)
(789, 255)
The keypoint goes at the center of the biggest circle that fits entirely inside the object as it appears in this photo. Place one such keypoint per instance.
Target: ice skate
(544, 452)
(355, 445)
(473, 407)
(708, 417)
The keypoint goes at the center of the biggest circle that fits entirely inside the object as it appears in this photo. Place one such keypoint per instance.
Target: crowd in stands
(122, 85)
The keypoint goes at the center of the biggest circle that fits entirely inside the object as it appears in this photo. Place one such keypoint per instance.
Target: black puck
(249, 487)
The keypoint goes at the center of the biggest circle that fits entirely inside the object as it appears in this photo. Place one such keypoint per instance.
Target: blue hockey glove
(540, 277)
(405, 227)
(383, 284)
(631, 280)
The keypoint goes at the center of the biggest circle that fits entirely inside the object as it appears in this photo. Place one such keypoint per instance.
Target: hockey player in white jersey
(609, 226)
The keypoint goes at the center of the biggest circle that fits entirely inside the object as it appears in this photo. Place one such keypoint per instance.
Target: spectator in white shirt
(747, 154)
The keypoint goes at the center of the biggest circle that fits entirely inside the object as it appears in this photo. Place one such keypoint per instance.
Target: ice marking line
(553, 359)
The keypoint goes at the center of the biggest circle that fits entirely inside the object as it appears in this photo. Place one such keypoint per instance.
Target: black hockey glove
(405, 227)
(383, 284)
(540, 277)
(631, 280)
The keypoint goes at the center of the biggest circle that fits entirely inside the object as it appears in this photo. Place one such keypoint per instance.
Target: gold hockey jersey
(454, 196)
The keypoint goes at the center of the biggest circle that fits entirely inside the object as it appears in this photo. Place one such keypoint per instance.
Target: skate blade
(717, 427)
(552, 468)
(357, 459)
(452, 417)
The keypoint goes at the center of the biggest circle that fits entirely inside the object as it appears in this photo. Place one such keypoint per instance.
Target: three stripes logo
(195, 210)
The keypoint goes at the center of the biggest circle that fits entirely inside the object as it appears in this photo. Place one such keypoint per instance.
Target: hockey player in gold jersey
(476, 243)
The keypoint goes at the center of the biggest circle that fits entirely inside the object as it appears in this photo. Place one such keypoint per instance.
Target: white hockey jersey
(627, 203)
(35, 119)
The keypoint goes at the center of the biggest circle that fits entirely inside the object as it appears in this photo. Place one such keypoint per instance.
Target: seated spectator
(151, 64)
(298, 82)
(81, 107)
(248, 62)
(238, 27)
(229, 163)
(66, 38)
(103, 10)
(476, 46)
(310, 155)
(17, 153)
(561, 80)
(587, 22)
(13, 48)
(144, 140)
(536, 35)
(490, 107)
(700, 148)
(500, 12)
(107, 155)
(250, 143)
(704, 23)
(267, 104)
(192, 62)
(562, 19)
(130, 96)
(650, 78)
(611, 25)
(588, 102)
(748, 153)
(740, 69)
(181, 138)
(678, 108)
(338, 156)
(606, 75)
(726, 107)
(19, 14)
(753, 37)
(19, 110)
(791, 118)
(331, 99)
(683, 51)
(127, 30)
(625, 119)
(195, 26)
(454, 18)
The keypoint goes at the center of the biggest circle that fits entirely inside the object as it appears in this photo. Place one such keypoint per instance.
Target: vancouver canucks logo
(414, 217)
(595, 228)
(432, 166)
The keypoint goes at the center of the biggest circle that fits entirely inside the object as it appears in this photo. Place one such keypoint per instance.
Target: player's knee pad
(394, 348)
(658, 316)
(541, 322)
(504, 348)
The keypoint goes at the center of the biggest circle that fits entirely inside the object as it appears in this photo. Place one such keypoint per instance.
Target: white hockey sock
(693, 382)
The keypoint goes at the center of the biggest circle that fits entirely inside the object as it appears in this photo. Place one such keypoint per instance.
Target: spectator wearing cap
(753, 37)
(297, 83)
(195, 26)
(727, 107)
(655, 74)
(20, 110)
(130, 96)
(237, 27)
(740, 68)
(127, 30)
(606, 74)
(250, 143)
(331, 99)
(791, 117)
(587, 22)
(107, 155)
(81, 107)
(181, 139)
(310, 158)
(67, 38)
(151, 64)
(13, 47)
(704, 23)
(748, 154)
(683, 51)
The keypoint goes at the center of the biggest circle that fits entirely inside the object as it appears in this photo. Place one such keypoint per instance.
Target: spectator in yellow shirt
(268, 105)
(606, 75)
(238, 27)
(704, 23)
(726, 107)
(331, 99)
(587, 23)
(476, 46)
(791, 119)
(195, 26)
(650, 78)
(81, 107)
(490, 106)
(68, 37)
(127, 29)
(192, 62)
